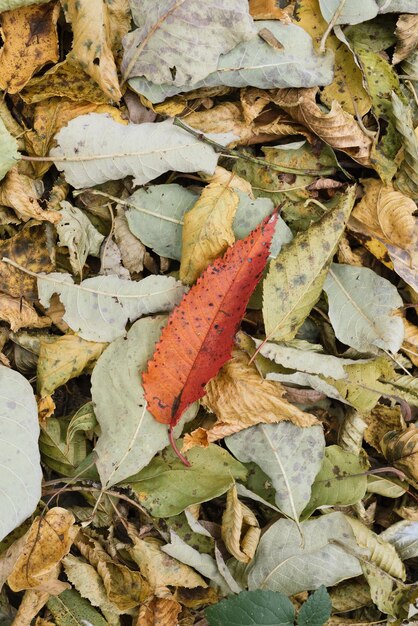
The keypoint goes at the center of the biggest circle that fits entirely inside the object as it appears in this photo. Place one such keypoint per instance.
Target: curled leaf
(240, 528)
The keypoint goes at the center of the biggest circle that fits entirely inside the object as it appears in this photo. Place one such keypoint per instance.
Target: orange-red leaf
(200, 332)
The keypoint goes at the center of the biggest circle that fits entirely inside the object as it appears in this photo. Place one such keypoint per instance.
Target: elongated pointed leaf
(198, 338)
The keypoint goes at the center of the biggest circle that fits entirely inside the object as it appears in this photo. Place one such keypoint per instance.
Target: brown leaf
(159, 612)
(410, 342)
(337, 127)
(28, 248)
(46, 408)
(29, 607)
(19, 193)
(132, 250)
(267, 10)
(401, 449)
(20, 314)
(381, 420)
(48, 540)
(30, 42)
(407, 35)
(240, 528)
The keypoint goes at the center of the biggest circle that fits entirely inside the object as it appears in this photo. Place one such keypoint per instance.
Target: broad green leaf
(58, 453)
(316, 610)
(295, 279)
(21, 474)
(252, 607)
(290, 456)
(404, 537)
(258, 64)
(8, 146)
(304, 360)
(93, 149)
(70, 609)
(340, 481)
(407, 178)
(166, 487)
(77, 233)
(156, 214)
(285, 563)
(352, 12)
(83, 420)
(62, 358)
(130, 436)
(99, 308)
(360, 306)
(187, 36)
(387, 487)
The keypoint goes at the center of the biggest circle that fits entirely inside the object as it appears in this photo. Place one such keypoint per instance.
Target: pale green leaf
(58, 453)
(21, 474)
(8, 147)
(290, 456)
(187, 36)
(128, 443)
(389, 488)
(256, 63)
(156, 215)
(360, 307)
(166, 487)
(404, 537)
(308, 380)
(340, 481)
(295, 279)
(99, 308)
(83, 420)
(93, 149)
(352, 12)
(397, 6)
(283, 562)
(77, 233)
(70, 609)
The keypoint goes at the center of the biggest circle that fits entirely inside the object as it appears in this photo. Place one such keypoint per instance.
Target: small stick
(175, 448)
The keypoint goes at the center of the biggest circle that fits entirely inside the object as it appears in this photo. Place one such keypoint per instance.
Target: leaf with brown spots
(199, 336)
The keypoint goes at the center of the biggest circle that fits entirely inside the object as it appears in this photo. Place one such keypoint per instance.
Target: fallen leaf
(357, 11)
(161, 611)
(60, 454)
(240, 528)
(406, 180)
(380, 421)
(20, 193)
(20, 314)
(77, 233)
(267, 10)
(400, 449)
(8, 150)
(211, 310)
(410, 342)
(132, 250)
(30, 42)
(406, 34)
(70, 602)
(48, 540)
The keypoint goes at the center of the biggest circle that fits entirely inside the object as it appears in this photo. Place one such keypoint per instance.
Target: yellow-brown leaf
(401, 449)
(407, 35)
(240, 528)
(20, 314)
(18, 192)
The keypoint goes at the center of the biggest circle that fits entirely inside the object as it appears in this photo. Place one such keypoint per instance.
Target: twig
(231, 153)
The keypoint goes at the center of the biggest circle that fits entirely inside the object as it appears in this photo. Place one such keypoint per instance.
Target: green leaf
(128, 443)
(106, 150)
(189, 37)
(156, 217)
(21, 474)
(389, 488)
(316, 610)
(252, 607)
(70, 609)
(376, 35)
(78, 234)
(295, 279)
(360, 306)
(290, 456)
(352, 12)
(58, 453)
(258, 64)
(166, 487)
(283, 562)
(83, 420)
(340, 481)
(407, 178)
(8, 145)
(99, 308)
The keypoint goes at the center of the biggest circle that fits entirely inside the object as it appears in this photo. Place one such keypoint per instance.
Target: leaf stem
(235, 154)
(175, 448)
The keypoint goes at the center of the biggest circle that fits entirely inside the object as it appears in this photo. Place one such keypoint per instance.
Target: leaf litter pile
(209, 312)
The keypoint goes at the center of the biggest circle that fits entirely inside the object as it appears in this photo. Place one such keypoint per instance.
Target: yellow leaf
(29, 607)
(207, 229)
(92, 26)
(347, 87)
(30, 42)
(20, 314)
(407, 35)
(18, 192)
(401, 449)
(221, 176)
(46, 407)
(381, 420)
(240, 528)
(48, 540)
(337, 127)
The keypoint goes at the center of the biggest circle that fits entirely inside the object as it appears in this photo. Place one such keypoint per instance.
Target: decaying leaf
(406, 34)
(20, 193)
(20, 314)
(78, 234)
(400, 448)
(240, 529)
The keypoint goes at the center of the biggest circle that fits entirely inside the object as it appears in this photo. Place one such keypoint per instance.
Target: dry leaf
(32, 602)
(20, 314)
(159, 612)
(48, 540)
(30, 42)
(337, 127)
(240, 528)
(407, 35)
(381, 420)
(410, 342)
(131, 249)
(267, 10)
(46, 408)
(401, 449)
(19, 192)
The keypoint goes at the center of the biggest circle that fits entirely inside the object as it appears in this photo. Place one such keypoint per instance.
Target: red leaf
(200, 332)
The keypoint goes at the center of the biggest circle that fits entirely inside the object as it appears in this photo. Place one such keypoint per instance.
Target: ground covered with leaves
(208, 312)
